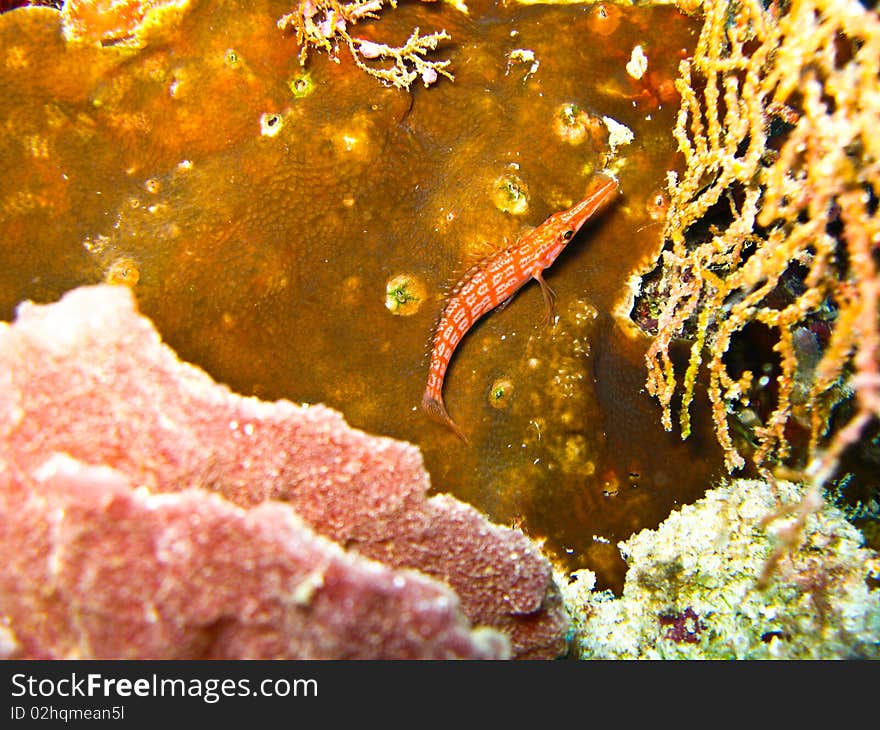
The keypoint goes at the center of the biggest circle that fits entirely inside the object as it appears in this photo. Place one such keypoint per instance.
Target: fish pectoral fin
(549, 298)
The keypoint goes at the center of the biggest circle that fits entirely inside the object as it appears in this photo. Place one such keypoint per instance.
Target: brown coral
(266, 207)
(118, 22)
(775, 223)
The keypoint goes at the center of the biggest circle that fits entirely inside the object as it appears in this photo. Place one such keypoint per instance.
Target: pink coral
(90, 378)
(98, 569)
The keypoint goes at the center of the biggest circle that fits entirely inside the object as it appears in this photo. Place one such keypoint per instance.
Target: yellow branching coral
(323, 24)
(774, 223)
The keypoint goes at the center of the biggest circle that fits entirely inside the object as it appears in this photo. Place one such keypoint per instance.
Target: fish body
(496, 279)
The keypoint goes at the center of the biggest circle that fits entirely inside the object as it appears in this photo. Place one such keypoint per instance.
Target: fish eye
(567, 235)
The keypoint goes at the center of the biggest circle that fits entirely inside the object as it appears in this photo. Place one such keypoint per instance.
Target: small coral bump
(604, 19)
(123, 271)
(404, 295)
(231, 58)
(510, 194)
(271, 124)
(500, 393)
(95, 244)
(657, 205)
(572, 124)
(610, 484)
(302, 85)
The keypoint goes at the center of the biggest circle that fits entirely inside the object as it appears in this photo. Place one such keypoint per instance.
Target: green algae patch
(267, 205)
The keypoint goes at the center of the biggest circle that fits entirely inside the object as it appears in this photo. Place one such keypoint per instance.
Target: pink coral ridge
(115, 572)
(102, 563)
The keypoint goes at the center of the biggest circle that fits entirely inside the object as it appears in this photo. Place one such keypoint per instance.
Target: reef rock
(89, 378)
(695, 587)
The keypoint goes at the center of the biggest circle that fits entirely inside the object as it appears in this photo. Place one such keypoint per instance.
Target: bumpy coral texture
(118, 22)
(90, 378)
(693, 589)
(97, 569)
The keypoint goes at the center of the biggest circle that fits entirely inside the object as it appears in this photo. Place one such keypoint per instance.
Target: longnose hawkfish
(495, 280)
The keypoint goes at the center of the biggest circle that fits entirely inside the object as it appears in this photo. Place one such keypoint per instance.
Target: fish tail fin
(435, 409)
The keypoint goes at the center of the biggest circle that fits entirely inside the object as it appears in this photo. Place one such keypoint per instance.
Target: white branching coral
(324, 24)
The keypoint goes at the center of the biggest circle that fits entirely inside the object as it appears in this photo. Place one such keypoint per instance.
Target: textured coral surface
(693, 588)
(107, 392)
(96, 569)
(262, 212)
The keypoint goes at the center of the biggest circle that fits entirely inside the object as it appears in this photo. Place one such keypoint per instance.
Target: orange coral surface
(262, 210)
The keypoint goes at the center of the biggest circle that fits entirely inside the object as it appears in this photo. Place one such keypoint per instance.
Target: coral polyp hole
(271, 124)
(657, 206)
(231, 58)
(573, 125)
(302, 86)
